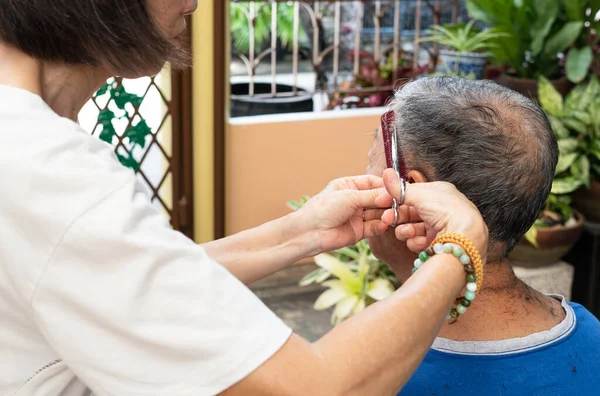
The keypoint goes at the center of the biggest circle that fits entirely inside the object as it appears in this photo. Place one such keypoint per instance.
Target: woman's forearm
(381, 348)
(372, 353)
(256, 253)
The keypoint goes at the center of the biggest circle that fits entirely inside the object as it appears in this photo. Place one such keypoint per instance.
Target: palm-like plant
(354, 278)
(352, 285)
(463, 37)
(240, 25)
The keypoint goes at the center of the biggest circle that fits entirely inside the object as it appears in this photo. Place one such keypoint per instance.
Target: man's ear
(415, 176)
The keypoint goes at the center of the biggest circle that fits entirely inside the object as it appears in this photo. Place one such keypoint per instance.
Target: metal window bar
(381, 28)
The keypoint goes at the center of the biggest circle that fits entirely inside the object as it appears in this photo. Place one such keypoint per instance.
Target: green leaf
(565, 186)
(575, 9)
(583, 170)
(346, 251)
(573, 98)
(485, 11)
(338, 269)
(590, 95)
(566, 146)
(562, 39)
(578, 63)
(102, 90)
(360, 306)
(314, 276)
(379, 289)
(121, 98)
(595, 6)
(531, 236)
(329, 298)
(596, 170)
(582, 117)
(575, 125)
(128, 161)
(546, 11)
(344, 308)
(137, 134)
(107, 134)
(363, 267)
(560, 131)
(294, 205)
(565, 161)
(550, 99)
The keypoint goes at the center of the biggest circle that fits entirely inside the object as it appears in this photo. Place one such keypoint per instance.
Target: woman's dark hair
(119, 33)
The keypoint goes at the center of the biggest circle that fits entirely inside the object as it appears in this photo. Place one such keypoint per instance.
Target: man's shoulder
(560, 364)
(588, 325)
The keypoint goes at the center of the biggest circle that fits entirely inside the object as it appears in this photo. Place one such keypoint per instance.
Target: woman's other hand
(344, 212)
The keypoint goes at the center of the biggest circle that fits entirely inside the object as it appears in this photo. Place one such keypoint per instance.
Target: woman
(98, 294)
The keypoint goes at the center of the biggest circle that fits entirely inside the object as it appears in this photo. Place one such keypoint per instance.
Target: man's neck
(64, 88)
(504, 308)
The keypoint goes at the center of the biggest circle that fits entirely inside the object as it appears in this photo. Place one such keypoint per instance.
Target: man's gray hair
(495, 145)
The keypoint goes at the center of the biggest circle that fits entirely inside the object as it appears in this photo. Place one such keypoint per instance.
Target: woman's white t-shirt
(97, 293)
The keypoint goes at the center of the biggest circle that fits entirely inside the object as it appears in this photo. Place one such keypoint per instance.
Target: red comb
(387, 128)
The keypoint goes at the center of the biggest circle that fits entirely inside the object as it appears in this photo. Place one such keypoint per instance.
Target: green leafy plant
(576, 123)
(580, 56)
(453, 73)
(127, 103)
(358, 93)
(536, 33)
(354, 278)
(463, 37)
(240, 25)
(575, 120)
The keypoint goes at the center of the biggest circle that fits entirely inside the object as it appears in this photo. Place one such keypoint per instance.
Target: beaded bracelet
(469, 256)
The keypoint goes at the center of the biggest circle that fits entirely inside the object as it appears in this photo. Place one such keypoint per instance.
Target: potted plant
(354, 278)
(555, 231)
(576, 119)
(239, 13)
(559, 226)
(466, 47)
(360, 91)
(287, 98)
(583, 54)
(536, 37)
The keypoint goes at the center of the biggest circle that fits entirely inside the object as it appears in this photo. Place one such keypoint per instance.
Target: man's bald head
(494, 144)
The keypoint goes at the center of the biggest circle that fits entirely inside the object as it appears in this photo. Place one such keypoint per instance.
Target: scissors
(393, 157)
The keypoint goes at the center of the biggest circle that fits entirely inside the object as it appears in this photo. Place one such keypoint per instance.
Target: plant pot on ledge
(587, 201)
(242, 104)
(529, 86)
(553, 244)
(463, 63)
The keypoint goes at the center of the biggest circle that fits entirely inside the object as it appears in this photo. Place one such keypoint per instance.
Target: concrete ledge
(552, 279)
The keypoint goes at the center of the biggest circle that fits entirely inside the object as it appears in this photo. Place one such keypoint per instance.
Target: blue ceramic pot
(462, 63)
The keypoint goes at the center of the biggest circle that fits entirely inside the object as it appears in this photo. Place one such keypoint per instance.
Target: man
(99, 295)
(498, 148)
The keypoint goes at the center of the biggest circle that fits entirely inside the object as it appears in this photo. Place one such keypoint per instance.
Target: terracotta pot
(553, 244)
(529, 86)
(587, 201)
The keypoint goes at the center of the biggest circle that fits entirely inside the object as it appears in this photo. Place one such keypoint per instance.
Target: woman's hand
(335, 215)
(431, 208)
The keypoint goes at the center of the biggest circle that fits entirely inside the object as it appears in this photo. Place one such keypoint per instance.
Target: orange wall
(280, 158)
